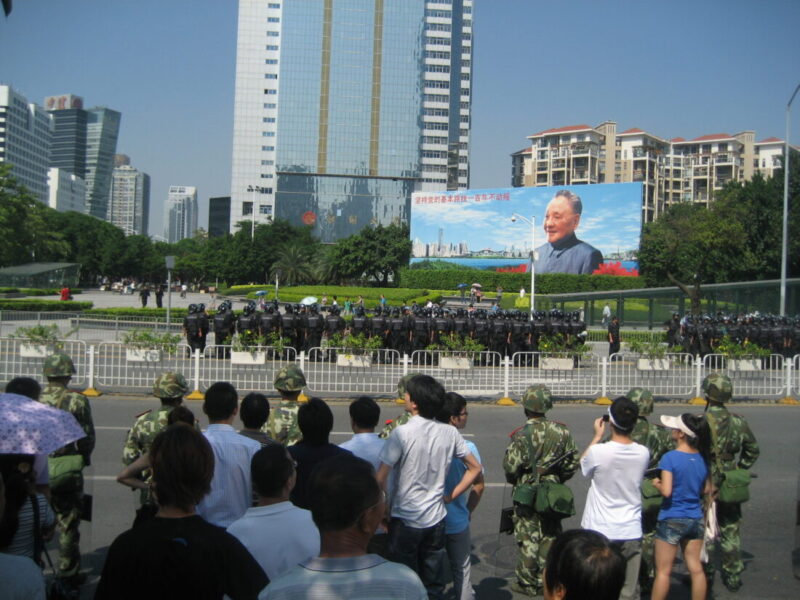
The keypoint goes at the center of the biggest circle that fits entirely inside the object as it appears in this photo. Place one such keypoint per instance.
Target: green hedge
(45, 305)
(135, 312)
(549, 283)
(601, 335)
(394, 296)
(34, 291)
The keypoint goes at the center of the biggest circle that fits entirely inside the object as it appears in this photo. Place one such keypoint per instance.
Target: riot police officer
(195, 327)
(224, 323)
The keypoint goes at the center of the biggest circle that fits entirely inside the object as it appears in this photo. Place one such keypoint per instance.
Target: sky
(680, 68)
(610, 221)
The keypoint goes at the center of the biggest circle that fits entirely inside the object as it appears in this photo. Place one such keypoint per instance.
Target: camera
(605, 418)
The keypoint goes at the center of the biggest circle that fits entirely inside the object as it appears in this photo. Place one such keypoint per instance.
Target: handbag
(554, 500)
(66, 473)
(735, 487)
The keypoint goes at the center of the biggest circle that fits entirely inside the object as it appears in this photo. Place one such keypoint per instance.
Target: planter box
(35, 350)
(557, 364)
(248, 358)
(455, 362)
(653, 364)
(351, 360)
(147, 355)
(744, 364)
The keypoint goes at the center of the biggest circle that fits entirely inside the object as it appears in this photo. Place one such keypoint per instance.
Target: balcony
(700, 172)
(583, 174)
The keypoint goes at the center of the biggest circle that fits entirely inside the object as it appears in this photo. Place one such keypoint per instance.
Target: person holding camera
(614, 502)
(541, 452)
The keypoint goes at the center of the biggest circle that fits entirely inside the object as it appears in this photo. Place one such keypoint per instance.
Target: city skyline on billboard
(467, 225)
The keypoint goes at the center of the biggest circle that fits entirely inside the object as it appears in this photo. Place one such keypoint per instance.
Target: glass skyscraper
(180, 213)
(102, 130)
(344, 108)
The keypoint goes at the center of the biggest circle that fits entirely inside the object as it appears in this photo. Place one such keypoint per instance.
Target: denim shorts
(673, 531)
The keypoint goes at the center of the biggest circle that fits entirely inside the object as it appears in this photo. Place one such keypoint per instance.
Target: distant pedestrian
(144, 295)
(614, 339)
(184, 289)
(160, 296)
(606, 314)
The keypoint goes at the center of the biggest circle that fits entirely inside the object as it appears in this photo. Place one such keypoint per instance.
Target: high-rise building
(129, 204)
(67, 191)
(25, 137)
(343, 109)
(670, 170)
(68, 149)
(219, 216)
(180, 213)
(102, 130)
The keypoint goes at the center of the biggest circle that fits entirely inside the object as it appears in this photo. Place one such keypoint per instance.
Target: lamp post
(277, 276)
(252, 189)
(170, 263)
(532, 223)
(785, 244)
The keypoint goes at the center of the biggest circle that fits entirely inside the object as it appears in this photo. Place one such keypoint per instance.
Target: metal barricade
(796, 375)
(332, 370)
(124, 366)
(248, 371)
(469, 374)
(751, 377)
(21, 359)
(564, 375)
(672, 376)
(11, 320)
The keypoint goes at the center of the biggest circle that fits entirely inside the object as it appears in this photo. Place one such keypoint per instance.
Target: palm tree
(295, 264)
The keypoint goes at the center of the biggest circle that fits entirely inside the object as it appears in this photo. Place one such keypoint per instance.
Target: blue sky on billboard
(481, 219)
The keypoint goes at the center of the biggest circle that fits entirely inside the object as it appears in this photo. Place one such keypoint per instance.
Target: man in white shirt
(614, 502)
(231, 489)
(421, 451)
(365, 443)
(277, 533)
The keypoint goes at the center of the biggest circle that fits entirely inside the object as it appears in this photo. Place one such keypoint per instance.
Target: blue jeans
(421, 550)
(675, 530)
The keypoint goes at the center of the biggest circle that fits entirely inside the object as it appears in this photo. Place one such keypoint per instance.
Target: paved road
(768, 530)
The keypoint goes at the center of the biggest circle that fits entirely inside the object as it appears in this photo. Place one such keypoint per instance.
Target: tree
(374, 253)
(294, 263)
(690, 245)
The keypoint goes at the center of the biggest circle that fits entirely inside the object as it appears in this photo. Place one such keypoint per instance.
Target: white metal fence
(21, 359)
(114, 366)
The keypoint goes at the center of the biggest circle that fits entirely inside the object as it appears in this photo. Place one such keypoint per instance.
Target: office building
(180, 213)
(67, 191)
(129, 201)
(671, 170)
(102, 130)
(68, 148)
(25, 136)
(219, 216)
(343, 109)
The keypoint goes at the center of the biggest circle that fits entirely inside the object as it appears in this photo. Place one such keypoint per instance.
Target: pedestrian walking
(144, 294)
(160, 296)
(614, 339)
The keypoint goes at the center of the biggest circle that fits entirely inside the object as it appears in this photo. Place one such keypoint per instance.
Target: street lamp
(785, 246)
(277, 276)
(532, 223)
(252, 189)
(170, 264)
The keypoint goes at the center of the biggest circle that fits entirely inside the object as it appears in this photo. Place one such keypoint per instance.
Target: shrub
(44, 305)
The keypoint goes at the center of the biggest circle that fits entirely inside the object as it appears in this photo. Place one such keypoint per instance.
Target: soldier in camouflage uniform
(170, 388)
(282, 424)
(658, 441)
(528, 460)
(402, 419)
(733, 447)
(58, 369)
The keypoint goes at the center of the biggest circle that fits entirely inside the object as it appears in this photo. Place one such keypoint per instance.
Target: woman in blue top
(683, 481)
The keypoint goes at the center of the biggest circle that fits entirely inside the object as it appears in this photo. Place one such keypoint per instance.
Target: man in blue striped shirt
(231, 488)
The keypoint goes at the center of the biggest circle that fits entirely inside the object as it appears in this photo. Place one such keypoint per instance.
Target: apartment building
(671, 170)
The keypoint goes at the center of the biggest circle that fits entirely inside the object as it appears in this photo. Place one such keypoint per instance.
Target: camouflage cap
(58, 365)
(537, 398)
(717, 387)
(401, 383)
(643, 398)
(170, 385)
(290, 379)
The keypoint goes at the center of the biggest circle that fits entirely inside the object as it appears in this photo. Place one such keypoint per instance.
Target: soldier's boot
(528, 590)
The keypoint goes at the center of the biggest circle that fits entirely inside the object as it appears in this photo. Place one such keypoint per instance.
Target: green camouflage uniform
(68, 506)
(735, 448)
(403, 418)
(548, 440)
(140, 437)
(282, 423)
(658, 441)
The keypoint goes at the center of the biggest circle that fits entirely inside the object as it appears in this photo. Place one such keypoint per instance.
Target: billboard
(576, 228)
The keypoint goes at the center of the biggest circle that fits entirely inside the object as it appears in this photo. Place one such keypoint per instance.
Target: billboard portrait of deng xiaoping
(577, 228)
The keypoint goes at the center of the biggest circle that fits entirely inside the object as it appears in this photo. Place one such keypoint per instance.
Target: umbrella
(476, 285)
(461, 286)
(308, 300)
(30, 427)
(262, 293)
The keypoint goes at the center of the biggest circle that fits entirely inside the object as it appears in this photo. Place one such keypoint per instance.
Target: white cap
(677, 423)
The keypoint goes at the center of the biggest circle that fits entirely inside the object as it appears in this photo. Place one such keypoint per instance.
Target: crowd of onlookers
(274, 510)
